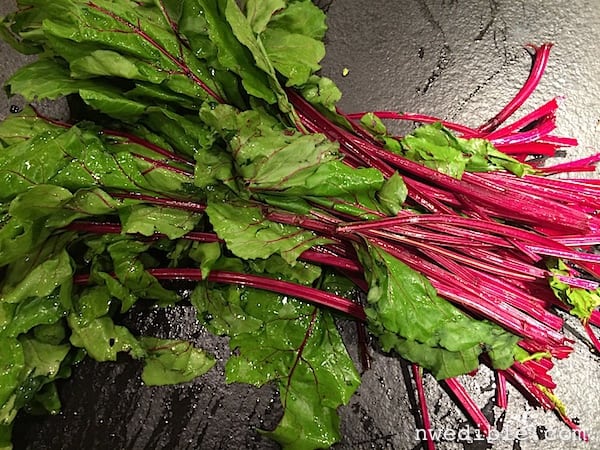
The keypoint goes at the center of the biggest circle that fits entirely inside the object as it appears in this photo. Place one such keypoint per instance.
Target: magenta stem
(417, 373)
(307, 293)
(540, 61)
(501, 391)
(469, 406)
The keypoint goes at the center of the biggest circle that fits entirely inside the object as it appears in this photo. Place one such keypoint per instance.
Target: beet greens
(211, 154)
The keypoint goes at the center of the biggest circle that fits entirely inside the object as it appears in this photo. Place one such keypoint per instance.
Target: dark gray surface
(459, 59)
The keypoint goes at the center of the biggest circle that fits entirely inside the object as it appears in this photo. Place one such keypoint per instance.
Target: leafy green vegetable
(249, 234)
(283, 340)
(408, 316)
(193, 165)
(439, 149)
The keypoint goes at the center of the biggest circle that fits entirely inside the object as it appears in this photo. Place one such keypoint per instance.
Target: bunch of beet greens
(208, 151)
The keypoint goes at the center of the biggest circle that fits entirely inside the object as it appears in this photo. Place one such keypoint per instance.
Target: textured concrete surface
(458, 59)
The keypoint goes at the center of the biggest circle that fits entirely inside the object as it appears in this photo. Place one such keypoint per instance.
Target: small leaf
(172, 362)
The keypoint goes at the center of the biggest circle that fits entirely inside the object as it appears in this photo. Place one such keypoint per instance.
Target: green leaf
(131, 272)
(32, 312)
(104, 63)
(299, 347)
(276, 267)
(393, 194)
(295, 56)
(408, 316)
(45, 79)
(147, 220)
(437, 148)
(279, 339)
(583, 301)
(225, 22)
(142, 35)
(102, 339)
(92, 303)
(249, 235)
(12, 366)
(206, 254)
(24, 125)
(172, 362)
(301, 17)
(187, 134)
(260, 12)
(111, 102)
(43, 359)
(322, 92)
(222, 311)
(40, 281)
(242, 30)
(276, 160)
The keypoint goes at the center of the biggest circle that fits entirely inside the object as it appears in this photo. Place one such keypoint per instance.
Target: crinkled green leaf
(172, 362)
(301, 17)
(92, 303)
(299, 347)
(437, 148)
(41, 358)
(322, 92)
(249, 235)
(102, 339)
(272, 159)
(41, 281)
(295, 56)
(277, 267)
(130, 271)
(33, 216)
(187, 134)
(393, 194)
(12, 365)
(260, 12)
(34, 311)
(54, 333)
(148, 219)
(408, 316)
(222, 311)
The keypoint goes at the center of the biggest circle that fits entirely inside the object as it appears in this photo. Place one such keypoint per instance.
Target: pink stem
(539, 65)
(470, 408)
(501, 392)
(307, 293)
(417, 373)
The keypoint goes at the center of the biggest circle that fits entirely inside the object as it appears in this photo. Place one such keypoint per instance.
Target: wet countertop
(461, 60)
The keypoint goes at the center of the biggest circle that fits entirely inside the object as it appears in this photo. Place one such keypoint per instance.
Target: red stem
(501, 392)
(307, 293)
(541, 55)
(469, 406)
(417, 373)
